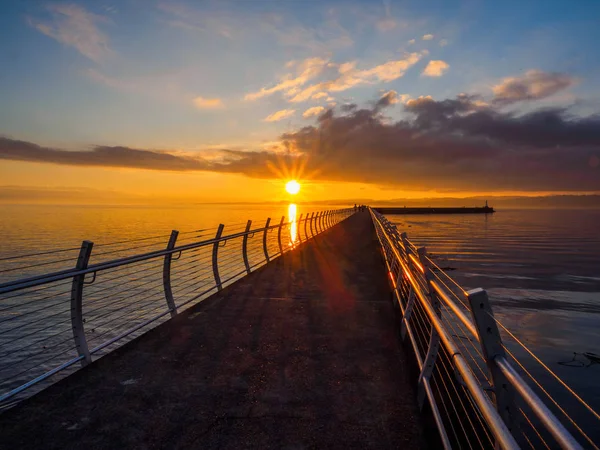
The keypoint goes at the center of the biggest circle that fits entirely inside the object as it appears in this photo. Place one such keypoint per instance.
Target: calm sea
(541, 268)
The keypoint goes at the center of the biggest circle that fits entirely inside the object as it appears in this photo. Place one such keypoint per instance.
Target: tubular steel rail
(467, 375)
(51, 321)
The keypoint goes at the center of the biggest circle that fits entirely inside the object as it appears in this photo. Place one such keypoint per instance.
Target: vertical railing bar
(265, 250)
(215, 257)
(491, 345)
(305, 228)
(167, 274)
(318, 222)
(77, 304)
(312, 233)
(298, 229)
(407, 312)
(245, 246)
(434, 338)
(279, 235)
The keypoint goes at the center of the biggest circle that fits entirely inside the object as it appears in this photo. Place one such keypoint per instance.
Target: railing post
(491, 344)
(279, 235)
(312, 233)
(265, 240)
(410, 304)
(434, 339)
(298, 234)
(305, 227)
(215, 257)
(167, 274)
(406, 246)
(328, 219)
(77, 304)
(318, 222)
(245, 246)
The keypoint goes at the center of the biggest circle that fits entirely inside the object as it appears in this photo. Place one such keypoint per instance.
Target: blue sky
(194, 76)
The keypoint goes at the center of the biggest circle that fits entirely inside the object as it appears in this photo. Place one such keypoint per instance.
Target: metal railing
(51, 322)
(474, 385)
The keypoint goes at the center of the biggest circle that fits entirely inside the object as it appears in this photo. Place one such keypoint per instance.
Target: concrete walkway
(302, 353)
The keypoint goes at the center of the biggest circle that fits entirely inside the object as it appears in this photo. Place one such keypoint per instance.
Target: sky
(226, 101)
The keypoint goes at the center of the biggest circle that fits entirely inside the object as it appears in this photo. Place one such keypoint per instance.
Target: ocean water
(541, 269)
(36, 333)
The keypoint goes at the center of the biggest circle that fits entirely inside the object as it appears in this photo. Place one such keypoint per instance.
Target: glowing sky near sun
(227, 101)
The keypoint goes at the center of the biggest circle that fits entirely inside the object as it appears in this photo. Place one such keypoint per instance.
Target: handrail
(398, 252)
(69, 273)
(486, 408)
(142, 290)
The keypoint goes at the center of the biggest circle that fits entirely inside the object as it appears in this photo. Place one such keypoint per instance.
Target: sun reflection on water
(293, 224)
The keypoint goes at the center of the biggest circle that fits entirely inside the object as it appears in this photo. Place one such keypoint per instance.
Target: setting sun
(292, 187)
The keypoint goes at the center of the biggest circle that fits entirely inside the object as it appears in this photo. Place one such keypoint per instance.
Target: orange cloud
(314, 111)
(280, 115)
(349, 76)
(208, 103)
(308, 69)
(436, 68)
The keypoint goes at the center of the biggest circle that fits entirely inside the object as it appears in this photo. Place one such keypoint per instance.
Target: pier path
(302, 353)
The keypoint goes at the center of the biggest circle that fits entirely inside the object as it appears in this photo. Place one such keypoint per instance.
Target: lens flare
(292, 187)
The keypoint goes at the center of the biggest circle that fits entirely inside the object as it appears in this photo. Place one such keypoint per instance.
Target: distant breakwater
(435, 210)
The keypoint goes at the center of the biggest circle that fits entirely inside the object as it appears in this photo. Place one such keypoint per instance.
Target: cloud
(314, 111)
(307, 70)
(72, 25)
(102, 156)
(349, 76)
(455, 144)
(443, 42)
(337, 77)
(435, 68)
(319, 95)
(208, 103)
(534, 85)
(321, 39)
(280, 115)
(411, 42)
(387, 99)
(427, 37)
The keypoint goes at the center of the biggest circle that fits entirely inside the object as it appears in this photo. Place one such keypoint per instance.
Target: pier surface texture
(302, 353)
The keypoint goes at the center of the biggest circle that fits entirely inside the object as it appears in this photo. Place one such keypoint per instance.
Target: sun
(292, 187)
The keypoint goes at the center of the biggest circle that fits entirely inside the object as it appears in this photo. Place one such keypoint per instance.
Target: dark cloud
(457, 144)
(99, 156)
(450, 145)
(534, 85)
(387, 99)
